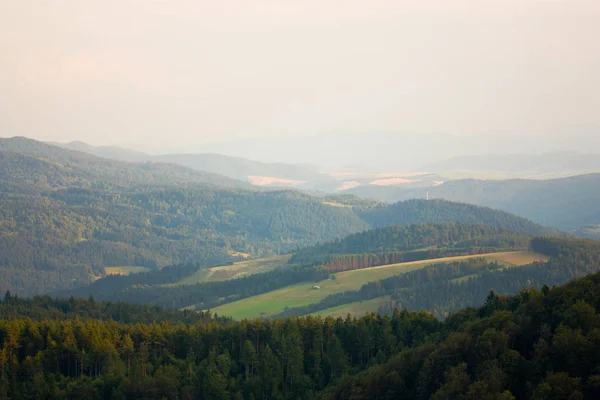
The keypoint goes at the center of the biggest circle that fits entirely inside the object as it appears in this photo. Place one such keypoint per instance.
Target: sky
(180, 74)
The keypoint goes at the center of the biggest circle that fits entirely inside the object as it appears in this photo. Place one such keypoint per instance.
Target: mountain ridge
(119, 172)
(232, 166)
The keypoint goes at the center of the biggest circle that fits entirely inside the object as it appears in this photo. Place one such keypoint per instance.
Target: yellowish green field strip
(237, 270)
(520, 257)
(303, 294)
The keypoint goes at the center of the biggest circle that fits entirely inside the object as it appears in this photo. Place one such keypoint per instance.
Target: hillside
(24, 160)
(439, 211)
(68, 236)
(444, 285)
(415, 246)
(536, 345)
(422, 237)
(450, 275)
(566, 203)
(304, 298)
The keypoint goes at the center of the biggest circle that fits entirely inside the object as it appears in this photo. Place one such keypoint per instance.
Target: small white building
(316, 287)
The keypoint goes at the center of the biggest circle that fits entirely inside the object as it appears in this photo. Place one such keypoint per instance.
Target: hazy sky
(167, 73)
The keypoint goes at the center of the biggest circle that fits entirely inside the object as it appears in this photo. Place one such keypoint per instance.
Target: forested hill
(539, 344)
(418, 211)
(63, 238)
(47, 308)
(412, 237)
(536, 345)
(565, 203)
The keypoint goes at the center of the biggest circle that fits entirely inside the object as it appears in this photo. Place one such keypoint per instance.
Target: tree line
(538, 344)
(292, 358)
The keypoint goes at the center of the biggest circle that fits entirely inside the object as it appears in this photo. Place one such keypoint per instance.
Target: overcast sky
(169, 74)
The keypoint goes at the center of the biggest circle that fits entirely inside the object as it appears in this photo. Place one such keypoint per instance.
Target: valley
(68, 215)
(277, 301)
(300, 200)
(159, 279)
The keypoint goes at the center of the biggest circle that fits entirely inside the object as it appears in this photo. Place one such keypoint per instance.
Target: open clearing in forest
(236, 270)
(303, 293)
(521, 258)
(124, 270)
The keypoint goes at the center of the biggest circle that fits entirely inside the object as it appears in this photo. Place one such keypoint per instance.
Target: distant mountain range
(307, 176)
(519, 165)
(396, 151)
(254, 172)
(26, 160)
(568, 201)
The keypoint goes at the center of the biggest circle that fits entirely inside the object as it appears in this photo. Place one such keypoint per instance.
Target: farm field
(357, 309)
(517, 258)
(124, 270)
(303, 293)
(237, 270)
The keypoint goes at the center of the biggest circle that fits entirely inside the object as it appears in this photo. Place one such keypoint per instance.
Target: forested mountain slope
(437, 211)
(566, 203)
(47, 308)
(67, 236)
(421, 237)
(536, 345)
(25, 161)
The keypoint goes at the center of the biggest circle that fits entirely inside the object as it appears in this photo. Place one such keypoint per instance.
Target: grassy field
(520, 258)
(124, 270)
(304, 294)
(357, 309)
(236, 270)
